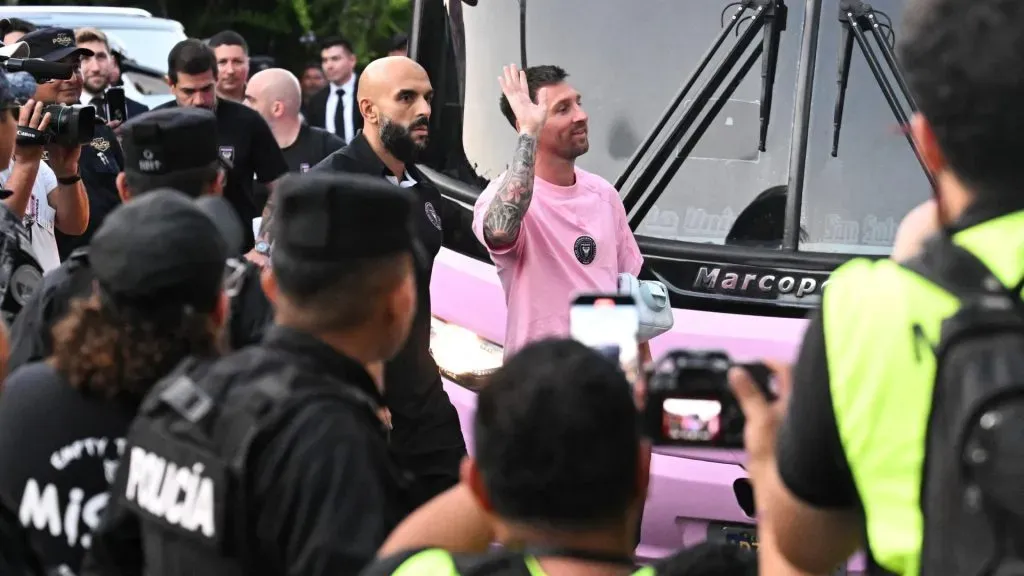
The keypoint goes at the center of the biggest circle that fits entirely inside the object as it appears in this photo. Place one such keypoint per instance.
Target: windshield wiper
(856, 17)
(769, 16)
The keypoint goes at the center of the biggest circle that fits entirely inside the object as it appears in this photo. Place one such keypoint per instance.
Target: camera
(20, 272)
(69, 126)
(689, 402)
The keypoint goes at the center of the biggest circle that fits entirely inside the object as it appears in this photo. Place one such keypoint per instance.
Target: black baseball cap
(325, 220)
(171, 140)
(53, 44)
(165, 250)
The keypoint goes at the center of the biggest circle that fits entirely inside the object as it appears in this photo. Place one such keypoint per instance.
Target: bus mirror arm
(855, 17)
(638, 180)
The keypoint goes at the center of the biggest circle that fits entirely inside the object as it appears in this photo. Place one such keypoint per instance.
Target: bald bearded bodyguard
(277, 95)
(394, 99)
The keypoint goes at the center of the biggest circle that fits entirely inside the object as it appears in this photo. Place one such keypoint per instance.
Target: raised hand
(531, 115)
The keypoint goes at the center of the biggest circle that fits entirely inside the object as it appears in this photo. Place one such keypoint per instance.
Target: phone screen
(608, 324)
(117, 105)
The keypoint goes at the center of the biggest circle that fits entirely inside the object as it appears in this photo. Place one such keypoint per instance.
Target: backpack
(972, 490)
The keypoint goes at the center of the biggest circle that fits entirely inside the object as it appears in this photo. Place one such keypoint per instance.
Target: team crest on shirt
(227, 153)
(432, 215)
(585, 249)
(303, 167)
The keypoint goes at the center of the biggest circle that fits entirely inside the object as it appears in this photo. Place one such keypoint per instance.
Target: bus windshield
(628, 60)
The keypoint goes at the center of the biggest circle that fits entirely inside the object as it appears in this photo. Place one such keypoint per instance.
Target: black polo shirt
(100, 163)
(246, 140)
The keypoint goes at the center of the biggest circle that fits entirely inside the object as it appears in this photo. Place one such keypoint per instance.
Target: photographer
(870, 449)
(100, 158)
(46, 197)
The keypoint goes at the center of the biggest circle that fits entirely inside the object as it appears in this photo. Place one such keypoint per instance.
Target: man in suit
(335, 108)
(97, 71)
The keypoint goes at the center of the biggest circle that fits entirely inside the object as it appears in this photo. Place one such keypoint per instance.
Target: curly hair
(113, 355)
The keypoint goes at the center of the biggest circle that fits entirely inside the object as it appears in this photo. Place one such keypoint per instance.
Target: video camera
(689, 402)
(20, 272)
(69, 125)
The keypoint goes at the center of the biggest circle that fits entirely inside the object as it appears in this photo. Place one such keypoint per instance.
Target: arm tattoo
(504, 217)
(266, 230)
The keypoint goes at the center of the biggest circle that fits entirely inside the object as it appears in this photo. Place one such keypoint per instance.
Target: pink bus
(742, 190)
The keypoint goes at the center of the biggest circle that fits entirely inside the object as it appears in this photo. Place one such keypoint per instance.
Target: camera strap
(30, 137)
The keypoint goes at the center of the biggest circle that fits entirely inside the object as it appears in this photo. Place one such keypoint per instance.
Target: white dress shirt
(349, 101)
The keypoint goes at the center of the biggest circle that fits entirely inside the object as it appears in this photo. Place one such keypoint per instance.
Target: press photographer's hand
(31, 116)
(763, 416)
(64, 159)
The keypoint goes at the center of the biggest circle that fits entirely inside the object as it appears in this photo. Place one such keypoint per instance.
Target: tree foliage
(288, 30)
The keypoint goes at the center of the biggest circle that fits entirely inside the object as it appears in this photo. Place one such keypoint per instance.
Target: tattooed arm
(267, 218)
(504, 217)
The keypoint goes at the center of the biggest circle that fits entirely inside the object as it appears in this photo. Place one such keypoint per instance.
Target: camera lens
(71, 125)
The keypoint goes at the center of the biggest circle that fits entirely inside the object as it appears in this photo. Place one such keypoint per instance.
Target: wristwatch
(263, 248)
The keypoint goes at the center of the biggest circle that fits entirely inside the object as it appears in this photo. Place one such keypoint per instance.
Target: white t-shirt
(39, 216)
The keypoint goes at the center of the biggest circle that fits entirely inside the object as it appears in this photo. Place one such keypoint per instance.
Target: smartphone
(608, 323)
(116, 104)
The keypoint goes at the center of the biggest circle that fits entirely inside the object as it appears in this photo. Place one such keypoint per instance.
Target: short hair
(337, 41)
(228, 38)
(193, 182)
(537, 77)
(316, 65)
(83, 35)
(398, 42)
(710, 559)
(337, 298)
(190, 56)
(964, 64)
(557, 438)
(19, 25)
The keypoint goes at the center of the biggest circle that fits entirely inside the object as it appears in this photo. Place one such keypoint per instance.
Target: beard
(399, 142)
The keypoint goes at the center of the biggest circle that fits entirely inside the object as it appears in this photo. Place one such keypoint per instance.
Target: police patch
(303, 167)
(101, 144)
(432, 215)
(585, 249)
(227, 153)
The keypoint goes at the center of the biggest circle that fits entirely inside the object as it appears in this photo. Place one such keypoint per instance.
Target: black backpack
(972, 492)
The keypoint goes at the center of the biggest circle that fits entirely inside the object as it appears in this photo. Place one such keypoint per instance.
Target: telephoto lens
(71, 125)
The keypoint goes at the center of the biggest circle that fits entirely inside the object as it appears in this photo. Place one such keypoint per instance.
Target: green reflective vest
(437, 562)
(881, 322)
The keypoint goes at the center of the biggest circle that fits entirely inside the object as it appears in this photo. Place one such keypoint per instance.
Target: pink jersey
(573, 240)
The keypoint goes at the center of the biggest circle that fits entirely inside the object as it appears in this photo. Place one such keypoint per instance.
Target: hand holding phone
(116, 105)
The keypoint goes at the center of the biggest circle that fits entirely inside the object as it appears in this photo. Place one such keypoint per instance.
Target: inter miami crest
(432, 215)
(227, 153)
(585, 249)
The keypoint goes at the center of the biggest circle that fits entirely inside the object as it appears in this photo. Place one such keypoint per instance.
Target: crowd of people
(226, 367)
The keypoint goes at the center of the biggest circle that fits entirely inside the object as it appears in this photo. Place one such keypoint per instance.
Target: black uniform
(427, 437)
(310, 147)
(159, 144)
(245, 139)
(279, 446)
(101, 158)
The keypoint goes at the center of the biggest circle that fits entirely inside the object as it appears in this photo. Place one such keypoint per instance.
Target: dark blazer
(135, 108)
(316, 110)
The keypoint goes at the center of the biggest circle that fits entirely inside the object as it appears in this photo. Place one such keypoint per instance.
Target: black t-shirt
(310, 147)
(100, 163)
(59, 451)
(246, 140)
(414, 385)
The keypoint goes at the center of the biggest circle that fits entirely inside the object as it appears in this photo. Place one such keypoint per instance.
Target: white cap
(16, 50)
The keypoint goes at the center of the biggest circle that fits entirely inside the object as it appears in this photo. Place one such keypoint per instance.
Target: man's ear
(217, 188)
(220, 310)
(368, 110)
(269, 284)
(927, 144)
(169, 82)
(122, 187)
(470, 476)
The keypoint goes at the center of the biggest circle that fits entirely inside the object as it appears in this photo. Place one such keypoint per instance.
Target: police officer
(852, 462)
(174, 148)
(279, 451)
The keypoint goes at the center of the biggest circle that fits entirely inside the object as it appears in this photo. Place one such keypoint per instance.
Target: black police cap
(327, 218)
(165, 249)
(53, 44)
(171, 140)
